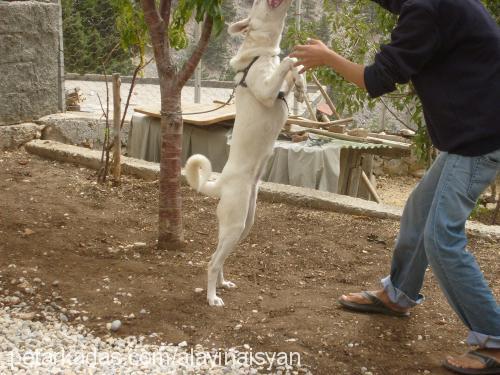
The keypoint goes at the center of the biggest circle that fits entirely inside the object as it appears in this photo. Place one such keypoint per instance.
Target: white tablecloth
(306, 164)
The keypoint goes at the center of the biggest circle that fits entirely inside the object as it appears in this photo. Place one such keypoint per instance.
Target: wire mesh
(92, 49)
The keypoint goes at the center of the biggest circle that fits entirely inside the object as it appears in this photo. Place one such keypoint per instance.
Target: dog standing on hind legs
(261, 112)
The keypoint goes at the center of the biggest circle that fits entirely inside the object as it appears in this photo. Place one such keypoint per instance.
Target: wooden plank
(343, 137)
(117, 115)
(213, 113)
(316, 124)
(401, 145)
(355, 174)
(345, 162)
(388, 137)
(367, 166)
(391, 152)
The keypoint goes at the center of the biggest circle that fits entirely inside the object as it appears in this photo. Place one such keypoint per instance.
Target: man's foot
(474, 362)
(377, 301)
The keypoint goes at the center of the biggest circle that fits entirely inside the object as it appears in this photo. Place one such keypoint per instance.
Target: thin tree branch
(396, 116)
(132, 86)
(158, 33)
(190, 65)
(165, 10)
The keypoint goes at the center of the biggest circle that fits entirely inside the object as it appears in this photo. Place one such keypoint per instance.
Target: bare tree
(172, 80)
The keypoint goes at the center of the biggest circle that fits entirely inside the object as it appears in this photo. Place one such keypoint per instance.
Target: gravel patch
(54, 347)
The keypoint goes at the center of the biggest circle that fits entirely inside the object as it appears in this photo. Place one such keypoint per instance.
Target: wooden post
(117, 103)
(370, 187)
(355, 174)
(198, 71)
(367, 166)
(298, 25)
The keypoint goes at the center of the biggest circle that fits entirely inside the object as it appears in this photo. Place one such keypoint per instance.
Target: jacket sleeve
(414, 42)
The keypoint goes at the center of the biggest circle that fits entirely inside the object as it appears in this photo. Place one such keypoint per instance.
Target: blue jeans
(433, 233)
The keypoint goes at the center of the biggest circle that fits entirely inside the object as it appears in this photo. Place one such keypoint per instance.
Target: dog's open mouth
(274, 3)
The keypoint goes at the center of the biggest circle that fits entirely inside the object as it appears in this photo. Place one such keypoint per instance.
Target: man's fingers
(298, 54)
(313, 41)
(300, 48)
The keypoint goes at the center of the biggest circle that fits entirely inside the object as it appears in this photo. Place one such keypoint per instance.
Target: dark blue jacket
(450, 50)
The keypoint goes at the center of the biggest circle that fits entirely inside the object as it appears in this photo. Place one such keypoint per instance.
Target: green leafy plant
(184, 12)
(92, 39)
(132, 28)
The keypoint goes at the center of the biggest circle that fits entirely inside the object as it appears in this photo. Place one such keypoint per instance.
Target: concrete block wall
(29, 60)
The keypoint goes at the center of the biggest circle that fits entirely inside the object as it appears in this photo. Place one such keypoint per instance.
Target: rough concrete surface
(29, 38)
(14, 136)
(269, 191)
(78, 128)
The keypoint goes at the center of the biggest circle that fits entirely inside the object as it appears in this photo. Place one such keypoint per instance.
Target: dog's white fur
(260, 116)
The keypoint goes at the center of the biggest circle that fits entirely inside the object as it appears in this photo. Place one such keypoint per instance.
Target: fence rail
(213, 84)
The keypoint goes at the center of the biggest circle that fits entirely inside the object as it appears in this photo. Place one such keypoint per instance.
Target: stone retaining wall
(29, 60)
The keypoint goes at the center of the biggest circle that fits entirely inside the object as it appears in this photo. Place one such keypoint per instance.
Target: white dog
(261, 112)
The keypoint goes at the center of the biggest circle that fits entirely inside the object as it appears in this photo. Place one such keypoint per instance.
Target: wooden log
(343, 137)
(317, 124)
(325, 95)
(310, 108)
(370, 187)
(331, 128)
(404, 146)
(323, 118)
(388, 137)
(339, 129)
(117, 103)
(358, 132)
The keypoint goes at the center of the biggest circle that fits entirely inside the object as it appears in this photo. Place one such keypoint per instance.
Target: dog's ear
(240, 27)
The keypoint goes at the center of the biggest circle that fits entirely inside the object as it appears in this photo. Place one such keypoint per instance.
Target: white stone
(115, 325)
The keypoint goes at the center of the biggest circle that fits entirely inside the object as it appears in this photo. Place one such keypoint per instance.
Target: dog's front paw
(289, 62)
(299, 90)
(227, 285)
(215, 301)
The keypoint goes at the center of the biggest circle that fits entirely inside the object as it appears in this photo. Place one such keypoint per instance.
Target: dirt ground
(57, 224)
(394, 191)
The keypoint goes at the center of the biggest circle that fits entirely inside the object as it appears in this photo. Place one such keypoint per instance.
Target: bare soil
(56, 223)
(394, 191)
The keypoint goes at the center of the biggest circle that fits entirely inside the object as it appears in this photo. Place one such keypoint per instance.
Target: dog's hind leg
(251, 213)
(221, 282)
(232, 216)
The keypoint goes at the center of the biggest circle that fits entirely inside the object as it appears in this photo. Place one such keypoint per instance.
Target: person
(450, 51)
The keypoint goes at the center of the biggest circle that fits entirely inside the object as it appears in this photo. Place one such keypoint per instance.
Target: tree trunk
(170, 235)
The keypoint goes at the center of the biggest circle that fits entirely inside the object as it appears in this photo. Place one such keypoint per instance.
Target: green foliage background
(94, 30)
(114, 30)
(356, 29)
(90, 35)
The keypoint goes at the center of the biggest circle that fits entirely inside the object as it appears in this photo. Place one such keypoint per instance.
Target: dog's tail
(198, 170)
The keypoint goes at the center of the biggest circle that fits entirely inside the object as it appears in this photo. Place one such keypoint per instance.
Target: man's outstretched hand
(312, 55)
(315, 53)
